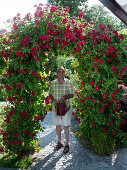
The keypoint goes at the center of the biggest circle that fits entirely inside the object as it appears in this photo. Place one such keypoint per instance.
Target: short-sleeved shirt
(58, 90)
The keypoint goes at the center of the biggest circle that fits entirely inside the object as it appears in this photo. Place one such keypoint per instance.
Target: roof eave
(116, 9)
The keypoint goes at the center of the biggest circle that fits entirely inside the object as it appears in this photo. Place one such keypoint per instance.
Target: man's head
(61, 72)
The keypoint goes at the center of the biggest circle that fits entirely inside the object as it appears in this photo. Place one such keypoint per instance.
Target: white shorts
(56, 120)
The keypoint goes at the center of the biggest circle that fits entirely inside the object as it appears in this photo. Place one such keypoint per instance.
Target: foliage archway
(26, 52)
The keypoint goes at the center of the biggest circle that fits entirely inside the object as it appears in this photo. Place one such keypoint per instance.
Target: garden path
(78, 158)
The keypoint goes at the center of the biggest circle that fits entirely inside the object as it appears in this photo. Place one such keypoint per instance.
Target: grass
(9, 161)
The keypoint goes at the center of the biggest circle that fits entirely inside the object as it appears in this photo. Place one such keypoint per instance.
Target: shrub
(102, 143)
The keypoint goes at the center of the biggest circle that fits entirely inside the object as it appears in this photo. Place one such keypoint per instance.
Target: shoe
(58, 146)
(66, 149)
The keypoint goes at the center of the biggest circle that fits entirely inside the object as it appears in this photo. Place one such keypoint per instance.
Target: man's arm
(69, 96)
(53, 100)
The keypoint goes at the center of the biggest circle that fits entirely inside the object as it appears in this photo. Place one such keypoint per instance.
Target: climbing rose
(30, 101)
(82, 83)
(93, 100)
(34, 72)
(64, 21)
(94, 59)
(97, 88)
(53, 9)
(104, 130)
(94, 66)
(87, 97)
(91, 82)
(80, 15)
(101, 62)
(50, 108)
(50, 24)
(110, 122)
(1, 150)
(16, 135)
(92, 123)
(101, 109)
(113, 68)
(81, 101)
(35, 118)
(104, 95)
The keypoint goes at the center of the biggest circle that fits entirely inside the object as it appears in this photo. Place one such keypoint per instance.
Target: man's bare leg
(58, 132)
(66, 132)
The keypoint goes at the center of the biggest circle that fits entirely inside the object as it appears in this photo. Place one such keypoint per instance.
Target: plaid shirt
(58, 90)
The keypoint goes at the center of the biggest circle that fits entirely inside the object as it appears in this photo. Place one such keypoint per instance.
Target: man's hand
(55, 102)
(63, 98)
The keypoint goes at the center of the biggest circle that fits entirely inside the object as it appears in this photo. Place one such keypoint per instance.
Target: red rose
(19, 99)
(9, 99)
(82, 83)
(53, 9)
(91, 82)
(87, 97)
(101, 62)
(94, 66)
(50, 24)
(1, 150)
(34, 72)
(17, 54)
(94, 59)
(114, 132)
(93, 100)
(36, 118)
(92, 123)
(30, 101)
(97, 88)
(37, 22)
(104, 95)
(19, 120)
(16, 135)
(80, 15)
(36, 32)
(55, 26)
(104, 130)
(50, 108)
(40, 118)
(18, 85)
(101, 109)
(113, 68)
(26, 132)
(110, 122)
(81, 101)
(64, 21)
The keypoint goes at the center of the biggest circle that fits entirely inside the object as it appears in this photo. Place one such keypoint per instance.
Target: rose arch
(97, 51)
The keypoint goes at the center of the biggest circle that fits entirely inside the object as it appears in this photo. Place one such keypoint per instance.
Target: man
(61, 89)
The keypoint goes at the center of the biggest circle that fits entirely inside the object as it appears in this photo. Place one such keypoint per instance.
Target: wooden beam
(116, 9)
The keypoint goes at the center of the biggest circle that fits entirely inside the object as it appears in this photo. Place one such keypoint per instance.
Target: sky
(9, 8)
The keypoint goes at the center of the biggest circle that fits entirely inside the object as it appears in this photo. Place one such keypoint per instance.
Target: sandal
(58, 146)
(66, 149)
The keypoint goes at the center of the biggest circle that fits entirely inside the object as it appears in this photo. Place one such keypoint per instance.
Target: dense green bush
(102, 143)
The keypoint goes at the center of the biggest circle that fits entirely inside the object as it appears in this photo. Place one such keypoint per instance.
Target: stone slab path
(78, 158)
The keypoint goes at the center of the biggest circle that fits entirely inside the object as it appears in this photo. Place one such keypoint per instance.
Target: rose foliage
(99, 64)
(27, 49)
